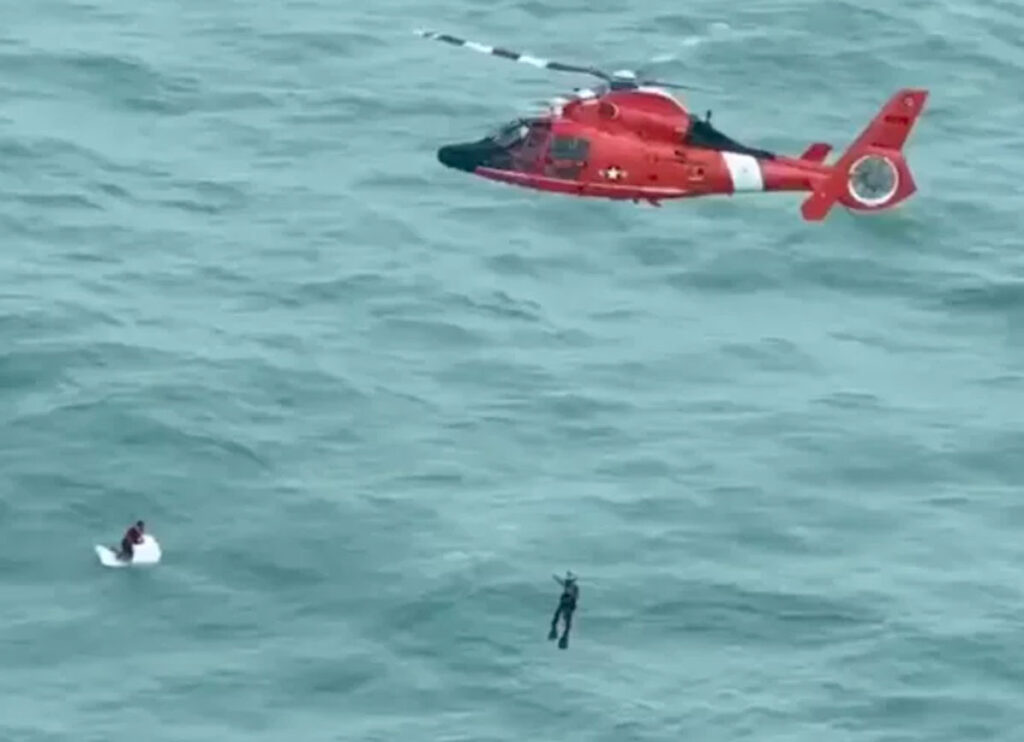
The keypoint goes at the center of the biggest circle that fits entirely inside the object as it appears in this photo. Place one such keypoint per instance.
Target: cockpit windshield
(508, 135)
(527, 132)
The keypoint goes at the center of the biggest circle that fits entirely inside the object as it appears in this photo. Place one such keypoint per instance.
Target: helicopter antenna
(619, 79)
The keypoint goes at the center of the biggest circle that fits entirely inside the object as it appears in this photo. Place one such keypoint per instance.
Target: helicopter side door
(567, 157)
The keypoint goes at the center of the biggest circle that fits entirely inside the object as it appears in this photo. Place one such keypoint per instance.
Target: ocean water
(369, 405)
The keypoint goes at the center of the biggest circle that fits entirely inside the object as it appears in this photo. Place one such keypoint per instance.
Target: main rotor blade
(514, 56)
(674, 85)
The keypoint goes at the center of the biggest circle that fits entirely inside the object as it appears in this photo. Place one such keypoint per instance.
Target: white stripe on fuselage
(745, 172)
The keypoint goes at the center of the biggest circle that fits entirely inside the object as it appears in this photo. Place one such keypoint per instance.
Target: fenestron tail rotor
(622, 79)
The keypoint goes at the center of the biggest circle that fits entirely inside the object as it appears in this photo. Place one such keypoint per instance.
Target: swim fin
(552, 634)
(563, 643)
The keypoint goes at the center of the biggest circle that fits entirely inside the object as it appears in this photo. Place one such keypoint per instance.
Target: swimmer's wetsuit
(131, 537)
(566, 606)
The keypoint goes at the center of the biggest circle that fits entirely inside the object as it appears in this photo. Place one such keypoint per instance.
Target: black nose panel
(465, 157)
(468, 157)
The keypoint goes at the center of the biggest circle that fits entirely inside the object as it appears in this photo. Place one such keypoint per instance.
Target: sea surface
(369, 405)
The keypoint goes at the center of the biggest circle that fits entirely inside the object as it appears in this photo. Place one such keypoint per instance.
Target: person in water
(566, 606)
(131, 537)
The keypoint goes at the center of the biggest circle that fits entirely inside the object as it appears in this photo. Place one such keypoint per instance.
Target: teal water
(369, 405)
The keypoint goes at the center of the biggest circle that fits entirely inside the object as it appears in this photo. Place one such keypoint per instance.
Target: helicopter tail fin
(872, 173)
(816, 152)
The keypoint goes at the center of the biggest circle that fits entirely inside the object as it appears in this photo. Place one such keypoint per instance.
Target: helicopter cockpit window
(510, 134)
(539, 132)
(569, 148)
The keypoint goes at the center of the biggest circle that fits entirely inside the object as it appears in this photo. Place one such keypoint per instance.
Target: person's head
(140, 525)
(570, 577)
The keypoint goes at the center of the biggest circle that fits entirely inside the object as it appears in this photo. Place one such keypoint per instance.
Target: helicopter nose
(465, 157)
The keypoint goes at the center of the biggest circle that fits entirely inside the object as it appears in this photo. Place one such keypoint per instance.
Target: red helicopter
(630, 139)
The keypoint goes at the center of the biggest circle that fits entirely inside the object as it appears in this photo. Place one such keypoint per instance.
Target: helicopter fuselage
(639, 144)
(643, 145)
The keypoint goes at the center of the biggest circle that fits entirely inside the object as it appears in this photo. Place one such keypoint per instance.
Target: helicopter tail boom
(872, 174)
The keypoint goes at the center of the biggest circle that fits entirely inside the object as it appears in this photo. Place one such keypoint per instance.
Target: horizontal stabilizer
(817, 152)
